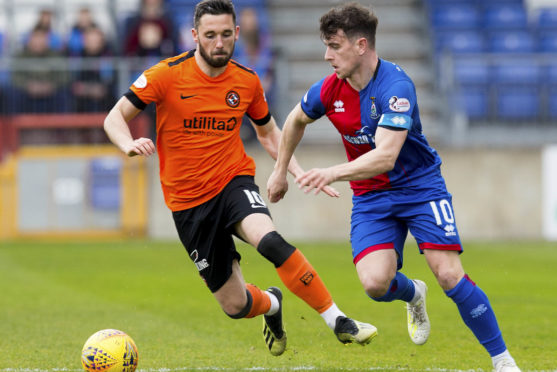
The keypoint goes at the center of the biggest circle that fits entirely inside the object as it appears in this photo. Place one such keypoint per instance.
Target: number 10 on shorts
(446, 211)
(255, 199)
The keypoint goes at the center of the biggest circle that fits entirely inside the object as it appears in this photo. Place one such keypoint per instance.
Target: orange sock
(302, 280)
(261, 302)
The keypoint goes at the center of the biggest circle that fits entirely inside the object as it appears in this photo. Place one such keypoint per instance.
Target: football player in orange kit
(207, 178)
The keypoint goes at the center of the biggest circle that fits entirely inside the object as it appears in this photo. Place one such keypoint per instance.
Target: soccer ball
(109, 350)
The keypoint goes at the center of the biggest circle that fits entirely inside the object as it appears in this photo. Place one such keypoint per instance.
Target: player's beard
(221, 61)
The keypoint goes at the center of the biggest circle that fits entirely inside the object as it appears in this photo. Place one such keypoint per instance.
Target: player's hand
(140, 146)
(277, 186)
(318, 179)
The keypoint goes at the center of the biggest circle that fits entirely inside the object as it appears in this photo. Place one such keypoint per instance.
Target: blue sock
(476, 311)
(401, 288)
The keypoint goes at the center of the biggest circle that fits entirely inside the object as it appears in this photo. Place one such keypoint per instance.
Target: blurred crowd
(79, 71)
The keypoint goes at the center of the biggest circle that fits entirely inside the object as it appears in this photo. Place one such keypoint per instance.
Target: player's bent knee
(448, 279)
(244, 311)
(374, 287)
(275, 249)
(377, 290)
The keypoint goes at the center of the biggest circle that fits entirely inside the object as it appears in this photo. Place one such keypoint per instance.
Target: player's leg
(299, 276)
(377, 237)
(212, 250)
(240, 300)
(473, 305)
(437, 235)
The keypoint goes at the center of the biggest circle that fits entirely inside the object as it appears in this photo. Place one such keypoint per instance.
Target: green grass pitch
(53, 296)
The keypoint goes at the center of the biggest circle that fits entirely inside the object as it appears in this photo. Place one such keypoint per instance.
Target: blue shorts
(381, 220)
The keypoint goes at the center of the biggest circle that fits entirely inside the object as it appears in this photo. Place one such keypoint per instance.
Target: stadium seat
(473, 100)
(519, 103)
(512, 42)
(105, 183)
(547, 42)
(553, 107)
(460, 42)
(517, 72)
(551, 75)
(505, 17)
(471, 71)
(455, 16)
(547, 19)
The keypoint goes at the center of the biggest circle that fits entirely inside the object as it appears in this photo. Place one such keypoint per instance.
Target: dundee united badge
(232, 98)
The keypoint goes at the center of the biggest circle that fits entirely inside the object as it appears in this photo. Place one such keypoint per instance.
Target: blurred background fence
(485, 73)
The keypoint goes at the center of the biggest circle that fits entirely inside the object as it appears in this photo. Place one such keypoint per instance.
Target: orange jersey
(198, 125)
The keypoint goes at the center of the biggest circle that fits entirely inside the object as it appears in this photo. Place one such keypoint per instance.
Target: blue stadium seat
(105, 183)
(455, 16)
(553, 107)
(505, 17)
(547, 42)
(487, 3)
(551, 75)
(471, 71)
(547, 19)
(474, 101)
(518, 103)
(517, 72)
(512, 42)
(460, 41)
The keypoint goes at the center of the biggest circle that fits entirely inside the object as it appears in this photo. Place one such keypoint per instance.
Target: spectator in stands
(253, 50)
(93, 84)
(39, 84)
(44, 22)
(84, 22)
(254, 47)
(151, 32)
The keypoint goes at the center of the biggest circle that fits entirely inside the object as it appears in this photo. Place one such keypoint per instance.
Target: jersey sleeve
(258, 110)
(150, 85)
(397, 105)
(311, 103)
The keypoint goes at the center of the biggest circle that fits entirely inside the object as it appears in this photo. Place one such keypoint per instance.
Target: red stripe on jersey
(373, 248)
(440, 247)
(342, 107)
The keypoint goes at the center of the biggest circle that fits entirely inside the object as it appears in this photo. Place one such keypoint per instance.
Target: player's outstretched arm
(380, 160)
(292, 133)
(117, 129)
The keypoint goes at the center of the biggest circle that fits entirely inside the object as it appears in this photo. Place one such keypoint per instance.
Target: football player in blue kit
(395, 177)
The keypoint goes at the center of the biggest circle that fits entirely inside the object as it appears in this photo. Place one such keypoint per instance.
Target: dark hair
(352, 18)
(214, 7)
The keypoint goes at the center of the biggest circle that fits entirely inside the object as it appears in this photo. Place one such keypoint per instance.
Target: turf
(53, 296)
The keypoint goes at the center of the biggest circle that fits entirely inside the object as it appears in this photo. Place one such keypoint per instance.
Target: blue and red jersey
(389, 100)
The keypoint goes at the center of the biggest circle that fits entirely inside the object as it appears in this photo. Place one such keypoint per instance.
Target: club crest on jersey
(374, 114)
(399, 104)
(232, 98)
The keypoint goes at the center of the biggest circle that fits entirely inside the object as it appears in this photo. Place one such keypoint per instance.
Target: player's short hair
(354, 19)
(213, 7)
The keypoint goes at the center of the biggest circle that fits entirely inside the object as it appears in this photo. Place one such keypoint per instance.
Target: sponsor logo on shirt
(140, 82)
(362, 136)
(339, 106)
(399, 104)
(209, 125)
